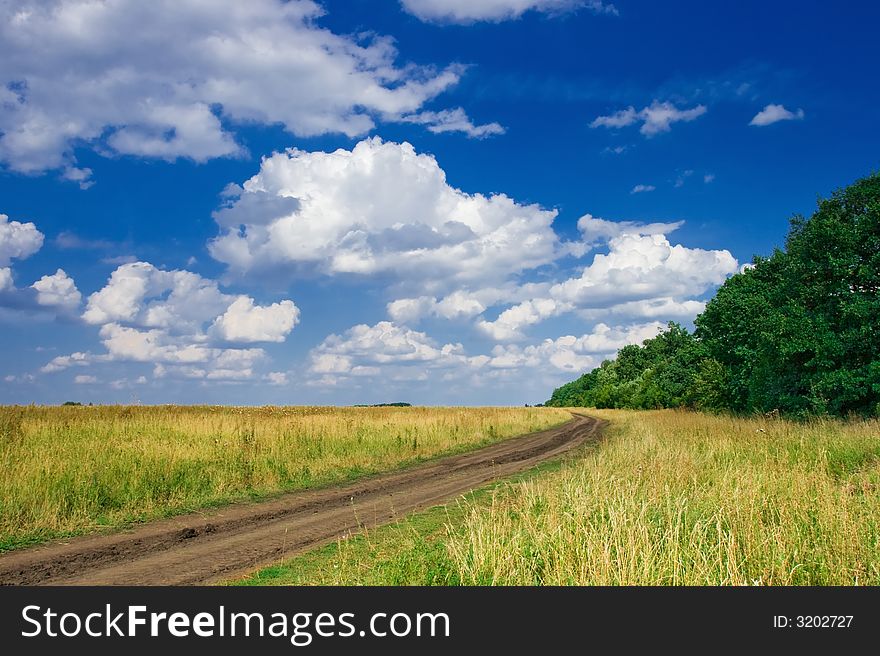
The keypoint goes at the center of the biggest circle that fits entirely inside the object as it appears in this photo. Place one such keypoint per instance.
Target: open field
(669, 497)
(215, 545)
(73, 470)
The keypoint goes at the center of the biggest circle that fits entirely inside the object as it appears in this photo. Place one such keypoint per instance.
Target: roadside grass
(668, 498)
(74, 470)
(410, 551)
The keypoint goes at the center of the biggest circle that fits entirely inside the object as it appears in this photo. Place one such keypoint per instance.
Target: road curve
(217, 545)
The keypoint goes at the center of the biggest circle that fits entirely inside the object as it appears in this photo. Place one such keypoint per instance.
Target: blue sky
(436, 201)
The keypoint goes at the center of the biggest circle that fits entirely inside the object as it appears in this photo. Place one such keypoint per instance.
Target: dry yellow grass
(76, 469)
(683, 498)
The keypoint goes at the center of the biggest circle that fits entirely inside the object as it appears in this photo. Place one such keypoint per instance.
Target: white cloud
(276, 378)
(656, 118)
(77, 359)
(639, 269)
(470, 11)
(682, 178)
(380, 208)
(384, 342)
(67, 240)
(141, 294)
(708, 178)
(58, 290)
(385, 348)
(245, 322)
(116, 260)
(399, 355)
(465, 303)
(453, 120)
(594, 229)
(18, 240)
(127, 383)
(459, 304)
(169, 79)
(85, 380)
(135, 345)
(642, 189)
(570, 353)
(642, 276)
(81, 176)
(181, 302)
(664, 309)
(775, 113)
(619, 119)
(172, 319)
(645, 267)
(24, 378)
(510, 322)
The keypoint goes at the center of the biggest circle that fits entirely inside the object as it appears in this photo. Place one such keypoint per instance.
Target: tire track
(220, 544)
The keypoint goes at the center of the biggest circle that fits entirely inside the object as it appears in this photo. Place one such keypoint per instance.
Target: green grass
(410, 551)
(668, 498)
(73, 470)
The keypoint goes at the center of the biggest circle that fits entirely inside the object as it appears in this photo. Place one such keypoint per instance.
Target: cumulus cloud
(276, 378)
(453, 120)
(58, 290)
(380, 208)
(569, 353)
(457, 305)
(646, 266)
(81, 176)
(664, 309)
(656, 118)
(158, 346)
(245, 322)
(84, 379)
(775, 113)
(174, 320)
(509, 323)
(18, 240)
(464, 303)
(470, 11)
(385, 348)
(642, 189)
(61, 362)
(141, 294)
(171, 79)
(397, 354)
(641, 275)
(594, 229)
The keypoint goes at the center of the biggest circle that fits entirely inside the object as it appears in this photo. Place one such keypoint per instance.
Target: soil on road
(221, 544)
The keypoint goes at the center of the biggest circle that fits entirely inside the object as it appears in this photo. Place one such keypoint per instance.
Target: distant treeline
(797, 332)
(399, 404)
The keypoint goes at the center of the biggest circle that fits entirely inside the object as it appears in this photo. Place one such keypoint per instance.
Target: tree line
(797, 332)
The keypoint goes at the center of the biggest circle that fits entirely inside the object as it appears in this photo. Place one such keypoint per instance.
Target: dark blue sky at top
(544, 78)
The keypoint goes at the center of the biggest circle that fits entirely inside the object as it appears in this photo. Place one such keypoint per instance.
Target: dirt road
(221, 544)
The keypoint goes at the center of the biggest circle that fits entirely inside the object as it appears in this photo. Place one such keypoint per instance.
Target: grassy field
(70, 470)
(669, 497)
